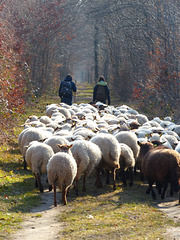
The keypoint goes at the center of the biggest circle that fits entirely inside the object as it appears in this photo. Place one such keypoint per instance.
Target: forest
(133, 44)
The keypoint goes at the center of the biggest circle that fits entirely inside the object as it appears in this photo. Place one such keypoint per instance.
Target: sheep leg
(68, 191)
(118, 174)
(114, 179)
(164, 191)
(123, 177)
(55, 199)
(141, 175)
(131, 174)
(38, 177)
(84, 182)
(150, 189)
(135, 169)
(76, 186)
(107, 175)
(98, 182)
(25, 164)
(64, 193)
(50, 186)
(36, 183)
(158, 186)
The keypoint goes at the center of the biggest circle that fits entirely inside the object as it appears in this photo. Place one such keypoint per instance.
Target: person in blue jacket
(66, 89)
(101, 92)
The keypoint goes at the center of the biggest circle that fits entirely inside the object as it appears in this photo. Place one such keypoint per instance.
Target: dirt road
(43, 223)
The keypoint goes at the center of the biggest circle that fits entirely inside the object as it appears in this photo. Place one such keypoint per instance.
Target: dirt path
(43, 223)
(172, 209)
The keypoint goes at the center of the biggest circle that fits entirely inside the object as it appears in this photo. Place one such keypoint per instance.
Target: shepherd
(101, 92)
(66, 89)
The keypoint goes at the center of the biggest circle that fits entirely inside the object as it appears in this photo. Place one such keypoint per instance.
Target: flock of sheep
(72, 141)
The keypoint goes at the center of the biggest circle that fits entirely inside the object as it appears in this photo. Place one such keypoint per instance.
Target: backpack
(66, 90)
(101, 93)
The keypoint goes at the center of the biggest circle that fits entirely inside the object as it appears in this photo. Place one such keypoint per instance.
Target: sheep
(176, 129)
(65, 112)
(61, 170)
(172, 140)
(36, 124)
(178, 148)
(160, 165)
(50, 109)
(58, 117)
(30, 135)
(84, 132)
(54, 141)
(37, 157)
(141, 118)
(45, 119)
(87, 156)
(20, 136)
(32, 118)
(110, 156)
(127, 162)
(130, 139)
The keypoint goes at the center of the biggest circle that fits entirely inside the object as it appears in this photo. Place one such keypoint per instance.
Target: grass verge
(127, 213)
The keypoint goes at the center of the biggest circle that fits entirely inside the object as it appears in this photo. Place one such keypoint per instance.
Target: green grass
(127, 213)
(17, 193)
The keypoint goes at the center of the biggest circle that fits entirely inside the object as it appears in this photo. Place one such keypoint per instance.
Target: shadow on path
(43, 222)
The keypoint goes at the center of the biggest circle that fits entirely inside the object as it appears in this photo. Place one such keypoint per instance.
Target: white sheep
(32, 134)
(110, 156)
(130, 139)
(141, 118)
(45, 119)
(61, 170)
(65, 112)
(20, 136)
(52, 108)
(87, 156)
(54, 141)
(36, 124)
(84, 132)
(31, 119)
(176, 129)
(177, 148)
(37, 157)
(127, 162)
(171, 139)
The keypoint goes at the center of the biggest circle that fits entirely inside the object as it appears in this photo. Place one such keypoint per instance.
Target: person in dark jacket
(101, 92)
(66, 89)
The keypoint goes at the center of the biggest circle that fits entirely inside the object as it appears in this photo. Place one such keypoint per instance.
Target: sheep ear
(60, 146)
(70, 146)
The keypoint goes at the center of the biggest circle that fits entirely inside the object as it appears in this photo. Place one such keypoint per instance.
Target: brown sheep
(161, 166)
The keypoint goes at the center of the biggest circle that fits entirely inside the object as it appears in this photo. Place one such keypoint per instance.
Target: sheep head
(65, 147)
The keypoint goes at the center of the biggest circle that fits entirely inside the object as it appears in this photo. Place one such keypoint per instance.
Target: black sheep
(161, 166)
